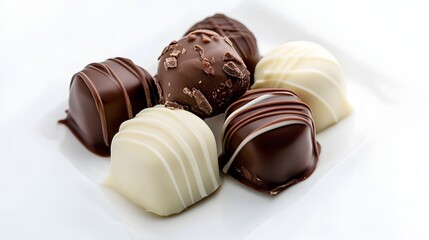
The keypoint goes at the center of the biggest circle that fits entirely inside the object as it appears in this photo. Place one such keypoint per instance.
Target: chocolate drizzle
(269, 140)
(102, 96)
(143, 76)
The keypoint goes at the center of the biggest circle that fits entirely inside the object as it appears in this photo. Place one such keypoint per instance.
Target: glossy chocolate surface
(269, 140)
(241, 37)
(102, 96)
(201, 73)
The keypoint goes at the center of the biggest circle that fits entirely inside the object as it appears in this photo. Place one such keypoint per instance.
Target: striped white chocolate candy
(164, 160)
(313, 73)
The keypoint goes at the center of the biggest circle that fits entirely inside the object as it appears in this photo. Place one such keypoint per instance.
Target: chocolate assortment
(201, 73)
(241, 37)
(102, 96)
(164, 158)
(269, 140)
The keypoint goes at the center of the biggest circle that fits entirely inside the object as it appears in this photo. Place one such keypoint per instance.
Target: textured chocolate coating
(201, 73)
(269, 140)
(241, 37)
(102, 96)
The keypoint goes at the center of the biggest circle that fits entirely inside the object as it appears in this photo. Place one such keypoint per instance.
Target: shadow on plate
(89, 164)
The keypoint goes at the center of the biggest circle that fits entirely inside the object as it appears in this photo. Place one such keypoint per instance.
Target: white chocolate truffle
(164, 160)
(313, 73)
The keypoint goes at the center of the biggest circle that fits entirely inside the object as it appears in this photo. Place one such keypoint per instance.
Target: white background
(380, 190)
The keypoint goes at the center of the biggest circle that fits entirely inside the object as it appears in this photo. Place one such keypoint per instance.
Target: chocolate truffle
(241, 37)
(164, 160)
(201, 73)
(269, 140)
(313, 73)
(102, 96)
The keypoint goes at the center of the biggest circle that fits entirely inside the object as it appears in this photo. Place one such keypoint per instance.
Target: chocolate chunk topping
(175, 53)
(202, 68)
(200, 50)
(202, 102)
(207, 67)
(206, 39)
(158, 88)
(207, 64)
(191, 37)
(172, 45)
(172, 105)
(187, 91)
(229, 56)
(170, 62)
(242, 39)
(232, 70)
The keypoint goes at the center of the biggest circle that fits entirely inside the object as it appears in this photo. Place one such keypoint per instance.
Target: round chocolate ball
(241, 37)
(201, 73)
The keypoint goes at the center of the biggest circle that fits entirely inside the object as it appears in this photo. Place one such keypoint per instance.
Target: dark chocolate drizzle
(143, 76)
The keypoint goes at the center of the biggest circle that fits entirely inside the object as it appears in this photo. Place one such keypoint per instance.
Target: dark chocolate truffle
(241, 37)
(102, 96)
(269, 140)
(201, 73)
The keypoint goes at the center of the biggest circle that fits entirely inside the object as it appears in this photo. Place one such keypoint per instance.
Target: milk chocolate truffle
(102, 96)
(201, 73)
(164, 160)
(269, 140)
(313, 73)
(241, 37)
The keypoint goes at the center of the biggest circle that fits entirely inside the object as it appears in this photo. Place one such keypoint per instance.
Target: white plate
(73, 175)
